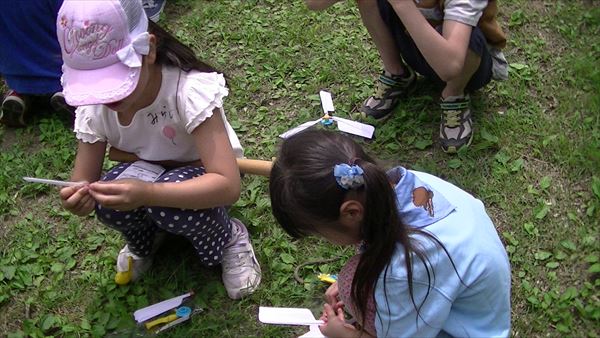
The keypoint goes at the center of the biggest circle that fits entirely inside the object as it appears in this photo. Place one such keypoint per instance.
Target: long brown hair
(305, 195)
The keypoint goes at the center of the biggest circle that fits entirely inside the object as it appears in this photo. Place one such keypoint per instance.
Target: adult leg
(30, 57)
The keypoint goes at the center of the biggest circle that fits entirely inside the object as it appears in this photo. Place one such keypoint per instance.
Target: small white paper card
(355, 128)
(287, 316)
(326, 102)
(143, 171)
(299, 128)
(314, 332)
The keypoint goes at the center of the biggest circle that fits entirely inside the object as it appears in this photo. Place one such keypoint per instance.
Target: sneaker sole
(13, 113)
(454, 150)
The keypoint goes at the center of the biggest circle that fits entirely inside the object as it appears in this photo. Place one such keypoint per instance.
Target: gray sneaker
(456, 125)
(241, 271)
(390, 89)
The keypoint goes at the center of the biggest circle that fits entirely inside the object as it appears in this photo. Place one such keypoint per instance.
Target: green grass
(535, 162)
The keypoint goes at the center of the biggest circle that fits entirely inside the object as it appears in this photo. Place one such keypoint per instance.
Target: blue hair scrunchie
(348, 176)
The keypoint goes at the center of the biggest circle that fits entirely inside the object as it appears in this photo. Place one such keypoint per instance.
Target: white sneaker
(130, 266)
(241, 272)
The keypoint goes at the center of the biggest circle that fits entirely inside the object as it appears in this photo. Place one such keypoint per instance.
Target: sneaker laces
(239, 254)
(453, 118)
(382, 88)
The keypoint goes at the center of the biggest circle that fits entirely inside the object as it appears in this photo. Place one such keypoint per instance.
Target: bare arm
(317, 5)
(445, 53)
(88, 162)
(88, 167)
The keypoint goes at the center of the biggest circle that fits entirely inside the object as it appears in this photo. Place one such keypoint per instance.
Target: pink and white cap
(102, 44)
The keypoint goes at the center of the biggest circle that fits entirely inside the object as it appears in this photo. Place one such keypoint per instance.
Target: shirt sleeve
(465, 11)
(200, 95)
(88, 126)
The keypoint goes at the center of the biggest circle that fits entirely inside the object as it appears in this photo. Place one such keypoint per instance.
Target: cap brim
(99, 86)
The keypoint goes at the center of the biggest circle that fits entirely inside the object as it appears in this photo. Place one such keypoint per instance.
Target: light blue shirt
(477, 306)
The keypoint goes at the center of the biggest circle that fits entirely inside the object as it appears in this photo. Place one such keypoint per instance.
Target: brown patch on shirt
(423, 198)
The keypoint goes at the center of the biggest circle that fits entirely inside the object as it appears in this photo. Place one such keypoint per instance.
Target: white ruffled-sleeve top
(162, 131)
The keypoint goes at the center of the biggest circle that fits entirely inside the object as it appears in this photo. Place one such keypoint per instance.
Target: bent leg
(457, 86)
(135, 227)
(209, 230)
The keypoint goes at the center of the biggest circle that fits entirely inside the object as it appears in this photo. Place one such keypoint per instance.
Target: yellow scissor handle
(161, 320)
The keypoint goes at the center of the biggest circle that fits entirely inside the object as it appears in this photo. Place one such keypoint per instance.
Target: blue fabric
(413, 215)
(475, 305)
(30, 57)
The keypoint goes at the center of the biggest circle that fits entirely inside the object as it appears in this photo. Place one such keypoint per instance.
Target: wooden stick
(247, 166)
(255, 167)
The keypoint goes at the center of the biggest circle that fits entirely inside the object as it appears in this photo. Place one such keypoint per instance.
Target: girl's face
(147, 87)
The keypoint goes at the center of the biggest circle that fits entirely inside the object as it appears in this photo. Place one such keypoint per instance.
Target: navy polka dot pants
(209, 230)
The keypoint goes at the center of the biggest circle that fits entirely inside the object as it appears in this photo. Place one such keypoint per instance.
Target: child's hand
(77, 200)
(335, 324)
(332, 297)
(122, 195)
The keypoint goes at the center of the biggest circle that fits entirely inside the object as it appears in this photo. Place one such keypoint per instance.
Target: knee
(108, 217)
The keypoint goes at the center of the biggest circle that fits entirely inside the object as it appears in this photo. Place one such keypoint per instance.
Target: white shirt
(161, 131)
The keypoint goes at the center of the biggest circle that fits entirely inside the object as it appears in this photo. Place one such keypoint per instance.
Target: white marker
(52, 182)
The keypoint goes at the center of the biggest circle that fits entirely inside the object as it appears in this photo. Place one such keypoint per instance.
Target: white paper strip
(52, 182)
(287, 316)
(355, 128)
(154, 310)
(314, 332)
(326, 102)
(299, 128)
